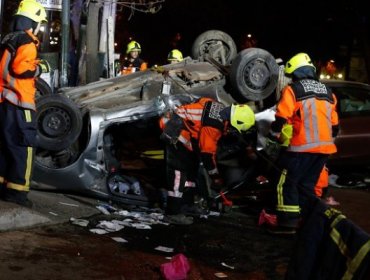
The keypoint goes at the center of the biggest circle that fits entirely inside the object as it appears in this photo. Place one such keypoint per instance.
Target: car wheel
(216, 44)
(42, 88)
(254, 74)
(59, 122)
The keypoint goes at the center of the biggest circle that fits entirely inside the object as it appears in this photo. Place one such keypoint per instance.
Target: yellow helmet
(175, 55)
(297, 61)
(33, 10)
(133, 46)
(242, 117)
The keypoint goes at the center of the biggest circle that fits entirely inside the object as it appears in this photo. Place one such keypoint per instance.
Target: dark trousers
(17, 136)
(295, 188)
(182, 172)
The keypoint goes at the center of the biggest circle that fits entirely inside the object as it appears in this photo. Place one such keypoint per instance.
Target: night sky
(316, 27)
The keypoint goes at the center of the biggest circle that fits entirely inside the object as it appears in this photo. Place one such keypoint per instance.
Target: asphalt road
(232, 243)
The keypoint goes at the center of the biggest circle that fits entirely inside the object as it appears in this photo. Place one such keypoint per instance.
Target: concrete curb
(48, 208)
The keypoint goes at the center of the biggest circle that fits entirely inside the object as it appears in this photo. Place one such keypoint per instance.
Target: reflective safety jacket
(310, 107)
(129, 67)
(200, 124)
(18, 69)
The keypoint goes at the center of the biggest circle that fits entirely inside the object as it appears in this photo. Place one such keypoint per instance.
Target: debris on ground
(176, 269)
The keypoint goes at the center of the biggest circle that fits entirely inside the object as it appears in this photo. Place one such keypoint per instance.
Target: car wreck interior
(139, 151)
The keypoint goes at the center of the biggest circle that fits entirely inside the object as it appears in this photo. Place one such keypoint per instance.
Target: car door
(353, 140)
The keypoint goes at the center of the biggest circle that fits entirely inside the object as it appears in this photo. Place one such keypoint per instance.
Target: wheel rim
(256, 75)
(55, 122)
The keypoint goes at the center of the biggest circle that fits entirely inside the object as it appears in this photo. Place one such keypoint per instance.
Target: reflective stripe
(329, 111)
(288, 208)
(353, 265)
(28, 116)
(190, 184)
(355, 262)
(13, 98)
(310, 120)
(186, 142)
(337, 220)
(190, 117)
(280, 197)
(29, 167)
(176, 185)
(190, 111)
(304, 147)
(17, 187)
(190, 114)
(335, 235)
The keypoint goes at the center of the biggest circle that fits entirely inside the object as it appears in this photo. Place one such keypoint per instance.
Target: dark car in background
(353, 140)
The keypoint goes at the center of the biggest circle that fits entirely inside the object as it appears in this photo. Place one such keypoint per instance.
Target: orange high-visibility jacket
(132, 67)
(18, 68)
(311, 108)
(202, 122)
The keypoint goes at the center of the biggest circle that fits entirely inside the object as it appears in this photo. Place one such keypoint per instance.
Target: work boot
(18, 197)
(178, 219)
(193, 210)
(280, 230)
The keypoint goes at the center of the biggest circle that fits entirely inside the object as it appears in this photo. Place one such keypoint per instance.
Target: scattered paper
(228, 266)
(79, 222)
(141, 226)
(98, 231)
(164, 249)
(110, 226)
(214, 213)
(220, 275)
(119, 239)
(103, 210)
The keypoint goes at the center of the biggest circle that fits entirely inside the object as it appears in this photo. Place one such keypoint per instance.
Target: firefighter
(174, 56)
(310, 107)
(132, 62)
(19, 67)
(192, 132)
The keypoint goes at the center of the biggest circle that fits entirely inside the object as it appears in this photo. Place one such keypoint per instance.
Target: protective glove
(272, 147)
(44, 66)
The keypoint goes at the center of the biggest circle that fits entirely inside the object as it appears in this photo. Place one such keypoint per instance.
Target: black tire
(42, 88)
(59, 122)
(254, 74)
(216, 44)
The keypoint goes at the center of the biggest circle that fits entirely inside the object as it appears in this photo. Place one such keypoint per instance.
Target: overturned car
(103, 139)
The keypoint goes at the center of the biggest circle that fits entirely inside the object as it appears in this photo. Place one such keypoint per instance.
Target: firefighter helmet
(297, 61)
(32, 10)
(175, 55)
(242, 117)
(133, 46)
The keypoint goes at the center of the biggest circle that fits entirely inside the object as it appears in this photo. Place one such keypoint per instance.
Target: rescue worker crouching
(191, 134)
(19, 67)
(310, 108)
(132, 62)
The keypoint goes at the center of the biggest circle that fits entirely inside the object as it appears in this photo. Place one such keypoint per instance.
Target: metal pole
(1, 18)
(65, 42)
